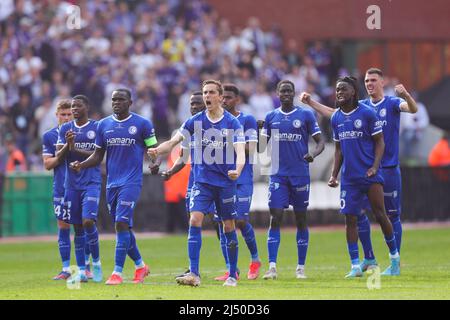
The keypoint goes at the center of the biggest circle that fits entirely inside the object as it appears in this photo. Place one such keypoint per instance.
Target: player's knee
(88, 223)
(122, 226)
(229, 225)
(79, 230)
(275, 221)
(351, 221)
(241, 224)
(300, 221)
(63, 225)
(196, 220)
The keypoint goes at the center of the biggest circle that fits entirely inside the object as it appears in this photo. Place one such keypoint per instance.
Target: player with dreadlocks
(359, 149)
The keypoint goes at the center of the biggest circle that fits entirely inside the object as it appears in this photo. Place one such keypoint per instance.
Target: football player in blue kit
(124, 137)
(359, 148)
(244, 183)
(82, 189)
(388, 109)
(289, 128)
(52, 162)
(219, 158)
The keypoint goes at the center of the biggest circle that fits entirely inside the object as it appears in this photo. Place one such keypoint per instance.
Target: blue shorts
(244, 193)
(392, 191)
(81, 204)
(285, 191)
(122, 201)
(212, 208)
(354, 195)
(204, 196)
(58, 208)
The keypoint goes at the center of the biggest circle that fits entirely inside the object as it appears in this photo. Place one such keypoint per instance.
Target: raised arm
(410, 104)
(165, 147)
(320, 108)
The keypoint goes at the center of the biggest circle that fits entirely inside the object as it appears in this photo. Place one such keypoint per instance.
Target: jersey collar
(80, 127)
(217, 121)
(286, 114)
(347, 114)
(115, 119)
(378, 103)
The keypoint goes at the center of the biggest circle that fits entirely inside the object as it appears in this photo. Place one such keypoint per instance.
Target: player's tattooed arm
(379, 151)
(333, 182)
(410, 104)
(320, 146)
(320, 108)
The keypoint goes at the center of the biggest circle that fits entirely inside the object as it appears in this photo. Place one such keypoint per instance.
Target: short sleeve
(187, 129)
(99, 140)
(62, 135)
(334, 127)
(375, 125)
(266, 128)
(48, 147)
(238, 131)
(251, 129)
(312, 125)
(148, 133)
(396, 102)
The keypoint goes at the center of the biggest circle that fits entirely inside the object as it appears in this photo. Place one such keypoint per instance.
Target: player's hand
(371, 172)
(305, 98)
(233, 174)
(70, 139)
(166, 175)
(308, 157)
(154, 168)
(260, 124)
(400, 91)
(76, 165)
(333, 182)
(152, 153)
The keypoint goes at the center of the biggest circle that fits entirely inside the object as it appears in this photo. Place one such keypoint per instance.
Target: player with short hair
(244, 189)
(217, 136)
(124, 137)
(82, 189)
(52, 162)
(358, 137)
(388, 109)
(289, 128)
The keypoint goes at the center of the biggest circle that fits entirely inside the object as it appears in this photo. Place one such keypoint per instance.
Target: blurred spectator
(440, 154)
(260, 102)
(292, 56)
(23, 121)
(322, 59)
(412, 129)
(16, 159)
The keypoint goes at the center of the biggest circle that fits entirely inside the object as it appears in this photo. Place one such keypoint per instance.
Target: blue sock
(392, 244)
(273, 243)
(302, 245)
(92, 241)
(223, 246)
(194, 246)
(64, 246)
(353, 251)
(249, 236)
(232, 251)
(364, 236)
(87, 251)
(398, 230)
(80, 244)
(133, 251)
(122, 245)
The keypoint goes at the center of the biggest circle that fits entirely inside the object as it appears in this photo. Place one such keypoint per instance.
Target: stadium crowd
(161, 50)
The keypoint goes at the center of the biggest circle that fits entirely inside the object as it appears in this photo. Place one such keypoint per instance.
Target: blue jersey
(125, 142)
(84, 140)
(248, 123)
(213, 154)
(388, 111)
(49, 141)
(289, 134)
(354, 131)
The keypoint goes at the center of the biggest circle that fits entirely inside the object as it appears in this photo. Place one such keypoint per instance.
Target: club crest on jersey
(132, 130)
(358, 123)
(383, 113)
(224, 132)
(91, 134)
(297, 123)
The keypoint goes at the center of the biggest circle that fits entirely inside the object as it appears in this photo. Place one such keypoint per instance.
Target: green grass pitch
(26, 270)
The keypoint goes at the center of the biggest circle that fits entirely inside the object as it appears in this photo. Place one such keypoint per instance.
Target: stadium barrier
(27, 207)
